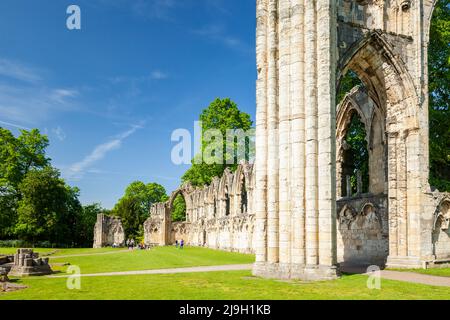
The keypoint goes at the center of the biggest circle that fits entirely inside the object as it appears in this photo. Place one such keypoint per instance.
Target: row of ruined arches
(229, 195)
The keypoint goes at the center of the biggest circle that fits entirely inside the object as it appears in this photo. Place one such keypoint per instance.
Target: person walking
(176, 244)
(181, 244)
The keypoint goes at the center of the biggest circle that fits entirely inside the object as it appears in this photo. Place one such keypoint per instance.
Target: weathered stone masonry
(108, 231)
(219, 216)
(297, 215)
(304, 47)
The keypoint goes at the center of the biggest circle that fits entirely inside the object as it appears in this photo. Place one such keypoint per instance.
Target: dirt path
(411, 277)
(416, 278)
(233, 267)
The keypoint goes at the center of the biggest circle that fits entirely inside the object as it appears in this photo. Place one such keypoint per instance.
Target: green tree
(44, 205)
(347, 83)
(179, 209)
(17, 157)
(130, 211)
(134, 207)
(222, 115)
(358, 152)
(439, 88)
(8, 211)
(85, 224)
(146, 194)
(20, 155)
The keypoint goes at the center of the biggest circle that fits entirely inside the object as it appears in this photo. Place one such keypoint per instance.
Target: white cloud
(159, 75)
(218, 33)
(159, 9)
(14, 125)
(33, 104)
(61, 95)
(18, 71)
(77, 170)
(60, 134)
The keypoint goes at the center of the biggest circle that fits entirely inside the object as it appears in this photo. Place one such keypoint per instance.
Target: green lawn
(60, 252)
(156, 258)
(222, 286)
(215, 285)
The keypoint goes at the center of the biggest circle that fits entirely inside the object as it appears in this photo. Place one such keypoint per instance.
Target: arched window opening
(347, 83)
(356, 158)
(439, 96)
(244, 197)
(227, 204)
(179, 209)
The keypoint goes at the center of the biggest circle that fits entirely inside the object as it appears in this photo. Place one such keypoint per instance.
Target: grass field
(220, 285)
(60, 252)
(157, 258)
(228, 285)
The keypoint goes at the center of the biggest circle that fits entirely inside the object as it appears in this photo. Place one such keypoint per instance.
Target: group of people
(131, 244)
(179, 244)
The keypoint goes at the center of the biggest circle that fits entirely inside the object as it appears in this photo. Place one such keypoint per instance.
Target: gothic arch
(184, 192)
(442, 214)
(440, 238)
(344, 112)
(391, 87)
(389, 83)
(430, 5)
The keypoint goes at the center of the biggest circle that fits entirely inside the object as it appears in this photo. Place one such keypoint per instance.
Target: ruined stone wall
(155, 228)
(218, 216)
(108, 231)
(436, 221)
(363, 230)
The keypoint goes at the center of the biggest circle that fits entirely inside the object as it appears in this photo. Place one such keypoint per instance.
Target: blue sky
(110, 95)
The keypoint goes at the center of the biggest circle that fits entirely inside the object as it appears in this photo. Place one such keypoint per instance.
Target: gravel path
(416, 278)
(411, 277)
(233, 267)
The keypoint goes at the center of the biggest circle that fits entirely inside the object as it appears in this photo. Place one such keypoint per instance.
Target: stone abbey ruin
(294, 208)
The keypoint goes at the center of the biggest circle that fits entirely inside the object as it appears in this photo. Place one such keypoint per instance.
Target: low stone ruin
(3, 274)
(108, 231)
(28, 263)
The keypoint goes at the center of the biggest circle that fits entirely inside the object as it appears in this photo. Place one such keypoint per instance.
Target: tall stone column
(295, 139)
(297, 134)
(260, 169)
(272, 134)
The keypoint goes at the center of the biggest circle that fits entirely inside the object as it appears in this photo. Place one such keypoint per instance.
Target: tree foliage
(179, 209)
(20, 155)
(358, 153)
(130, 211)
(146, 194)
(35, 203)
(221, 115)
(47, 208)
(347, 83)
(439, 95)
(134, 207)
